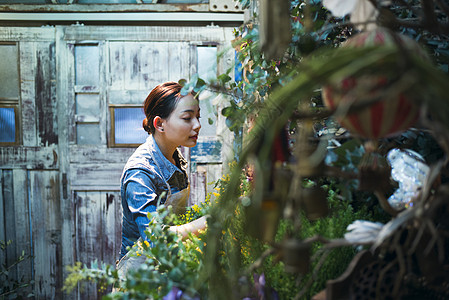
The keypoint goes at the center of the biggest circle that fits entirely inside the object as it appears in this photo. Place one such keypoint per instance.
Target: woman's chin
(190, 144)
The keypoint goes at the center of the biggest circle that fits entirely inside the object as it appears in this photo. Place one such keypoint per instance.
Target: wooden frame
(14, 102)
(111, 127)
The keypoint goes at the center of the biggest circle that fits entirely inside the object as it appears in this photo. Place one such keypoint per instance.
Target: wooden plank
(2, 219)
(22, 226)
(29, 34)
(45, 97)
(31, 158)
(185, 61)
(93, 176)
(150, 33)
(127, 96)
(103, 88)
(145, 7)
(27, 86)
(159, 63)
(100, 155)
(193, 60)
(67, 78)
(146, 69)
(142, 65)
(63, 81)
(116, 66)
(89, 234)
(112, 226)
(207, 150)
(198, 181)
(132, 57)
(176, 59)
(10, 221)
(46, 231)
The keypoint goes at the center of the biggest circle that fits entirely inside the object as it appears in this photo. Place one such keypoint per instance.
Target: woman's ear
(158, 124)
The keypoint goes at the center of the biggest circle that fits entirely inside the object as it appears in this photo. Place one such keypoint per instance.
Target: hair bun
(145, 125)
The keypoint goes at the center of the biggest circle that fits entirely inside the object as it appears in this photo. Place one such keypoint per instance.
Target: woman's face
(181, 128)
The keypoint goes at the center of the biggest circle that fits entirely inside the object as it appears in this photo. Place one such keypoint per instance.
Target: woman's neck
(166, 149)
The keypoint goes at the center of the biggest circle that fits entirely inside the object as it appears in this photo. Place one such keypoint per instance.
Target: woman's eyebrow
(189, 111)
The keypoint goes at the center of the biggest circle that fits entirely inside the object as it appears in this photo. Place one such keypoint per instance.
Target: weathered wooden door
(68, 88)
(32, 204)
(108, 72)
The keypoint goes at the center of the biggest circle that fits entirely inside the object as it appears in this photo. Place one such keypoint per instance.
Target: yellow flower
(146, 243)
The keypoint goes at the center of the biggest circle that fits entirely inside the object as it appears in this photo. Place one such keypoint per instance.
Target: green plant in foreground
(170, 263)
(11, 287)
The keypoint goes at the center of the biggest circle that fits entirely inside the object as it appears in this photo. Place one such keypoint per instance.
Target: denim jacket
(142, 183)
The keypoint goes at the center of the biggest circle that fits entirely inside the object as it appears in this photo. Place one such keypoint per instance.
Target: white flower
(363, 12)
(361, 231)
(340, 8)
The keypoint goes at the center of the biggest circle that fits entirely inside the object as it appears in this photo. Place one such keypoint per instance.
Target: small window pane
(88, 105)
(207, 114)
(7, 125)
(207, 70)
(207, 62)
(128, 125)
(88, 134)
(87, 62)
(9, 72)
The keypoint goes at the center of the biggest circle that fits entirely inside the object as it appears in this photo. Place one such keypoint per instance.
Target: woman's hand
(193, 227)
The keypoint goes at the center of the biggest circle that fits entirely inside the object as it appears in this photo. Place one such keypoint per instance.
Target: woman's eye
(187, 119)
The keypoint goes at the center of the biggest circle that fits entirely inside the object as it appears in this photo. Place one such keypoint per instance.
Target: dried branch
(385, 204)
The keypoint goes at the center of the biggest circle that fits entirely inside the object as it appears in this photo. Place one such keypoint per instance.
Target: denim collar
(167, 168)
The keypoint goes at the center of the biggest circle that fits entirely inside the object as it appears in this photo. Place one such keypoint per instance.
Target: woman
(155, 174)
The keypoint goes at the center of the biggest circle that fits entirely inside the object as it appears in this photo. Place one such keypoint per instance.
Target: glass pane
(207, 114)
(88, 105)
(87, 65)
(207, 69)
(9, 72)
(128, 125)
(207, 62)
(7, 125)
(88, 134)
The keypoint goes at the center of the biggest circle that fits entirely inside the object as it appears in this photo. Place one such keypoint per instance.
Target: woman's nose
(197, 125)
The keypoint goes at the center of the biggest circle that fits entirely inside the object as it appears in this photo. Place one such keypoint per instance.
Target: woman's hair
(160, 102)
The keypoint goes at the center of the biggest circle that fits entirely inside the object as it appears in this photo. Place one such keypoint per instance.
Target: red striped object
(394, 112)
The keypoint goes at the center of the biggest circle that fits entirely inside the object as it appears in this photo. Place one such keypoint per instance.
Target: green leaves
(10, 286)
(169, 262)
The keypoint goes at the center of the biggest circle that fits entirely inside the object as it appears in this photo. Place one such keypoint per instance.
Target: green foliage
(102, 274)
(169, 262)
(335, 261)
(12, 287)
(193, 212)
